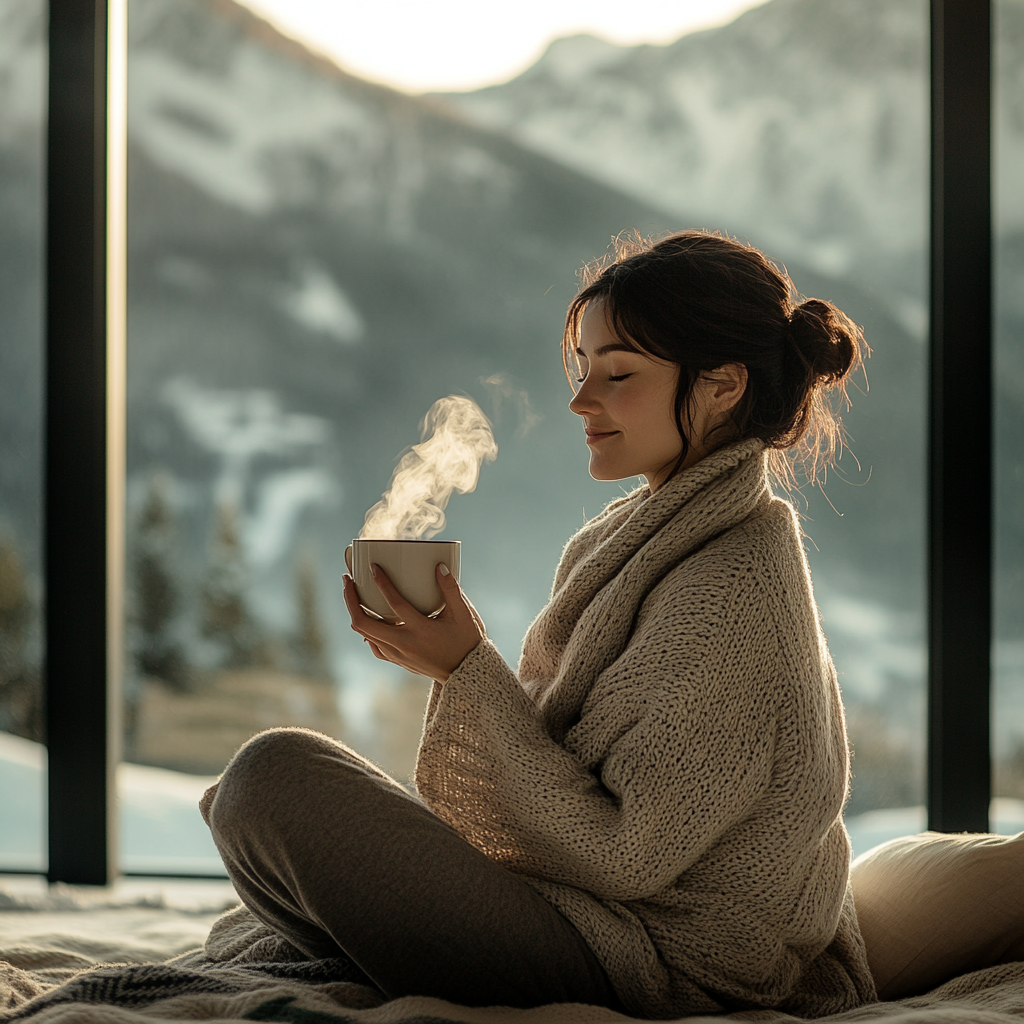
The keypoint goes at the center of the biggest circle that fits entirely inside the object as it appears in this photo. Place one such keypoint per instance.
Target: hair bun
(826, 338)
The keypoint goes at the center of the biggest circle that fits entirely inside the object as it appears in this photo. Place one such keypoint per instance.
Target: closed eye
(622, 376)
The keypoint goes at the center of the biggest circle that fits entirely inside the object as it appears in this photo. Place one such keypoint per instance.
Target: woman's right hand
(428, 646)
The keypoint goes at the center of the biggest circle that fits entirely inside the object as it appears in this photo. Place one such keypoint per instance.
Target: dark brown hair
(702, 300)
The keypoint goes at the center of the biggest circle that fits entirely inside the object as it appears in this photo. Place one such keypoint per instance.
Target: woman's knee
(259, 779)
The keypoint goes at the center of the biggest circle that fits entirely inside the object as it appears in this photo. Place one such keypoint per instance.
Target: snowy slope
(160, 828)
(260, 123)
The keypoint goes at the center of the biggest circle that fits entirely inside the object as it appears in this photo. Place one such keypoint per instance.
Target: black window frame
(84, 438)
(960, 343)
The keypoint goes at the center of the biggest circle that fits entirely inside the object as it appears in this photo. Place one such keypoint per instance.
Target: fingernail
(373, 569)
(445, 571)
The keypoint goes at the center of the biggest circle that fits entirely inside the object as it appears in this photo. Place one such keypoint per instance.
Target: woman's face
(627, 402)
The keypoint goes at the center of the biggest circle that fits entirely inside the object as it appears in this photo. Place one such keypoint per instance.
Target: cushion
(933, 906)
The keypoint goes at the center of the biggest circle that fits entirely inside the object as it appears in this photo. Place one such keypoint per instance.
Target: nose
(584, 402)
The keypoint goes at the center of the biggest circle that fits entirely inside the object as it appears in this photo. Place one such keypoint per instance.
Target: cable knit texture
(670, 765)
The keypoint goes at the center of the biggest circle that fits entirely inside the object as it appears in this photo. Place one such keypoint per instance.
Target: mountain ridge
(802, 124)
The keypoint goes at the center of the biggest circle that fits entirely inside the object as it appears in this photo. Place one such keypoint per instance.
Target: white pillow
(933, 906)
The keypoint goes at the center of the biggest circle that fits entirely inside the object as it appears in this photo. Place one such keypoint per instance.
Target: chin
(599, 472)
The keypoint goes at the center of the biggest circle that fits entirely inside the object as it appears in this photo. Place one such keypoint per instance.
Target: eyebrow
(616, 346)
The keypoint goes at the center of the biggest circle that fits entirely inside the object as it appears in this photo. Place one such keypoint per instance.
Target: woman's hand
(432, 647)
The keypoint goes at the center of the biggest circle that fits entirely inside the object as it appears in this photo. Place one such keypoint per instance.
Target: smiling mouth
(596, 436)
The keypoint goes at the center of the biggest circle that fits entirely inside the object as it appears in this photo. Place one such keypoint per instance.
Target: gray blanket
(246, 973)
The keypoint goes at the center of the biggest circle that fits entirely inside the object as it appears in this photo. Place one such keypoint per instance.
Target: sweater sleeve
(688, 757)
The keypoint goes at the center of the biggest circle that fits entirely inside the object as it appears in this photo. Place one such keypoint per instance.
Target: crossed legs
(339, 859)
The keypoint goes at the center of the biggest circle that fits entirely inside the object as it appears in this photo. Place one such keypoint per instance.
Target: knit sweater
(670, 765)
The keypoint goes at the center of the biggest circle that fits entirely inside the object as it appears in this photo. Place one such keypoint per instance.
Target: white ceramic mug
(410, 565)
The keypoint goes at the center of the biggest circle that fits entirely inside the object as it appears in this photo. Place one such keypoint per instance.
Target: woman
(648, 816)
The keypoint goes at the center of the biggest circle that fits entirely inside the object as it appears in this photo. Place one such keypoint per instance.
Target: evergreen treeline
(162, 618)
(183, 632)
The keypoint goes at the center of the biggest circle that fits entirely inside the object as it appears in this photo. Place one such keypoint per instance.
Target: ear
(728, 383)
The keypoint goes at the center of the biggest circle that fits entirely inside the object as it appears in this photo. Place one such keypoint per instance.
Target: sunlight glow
(465, 44)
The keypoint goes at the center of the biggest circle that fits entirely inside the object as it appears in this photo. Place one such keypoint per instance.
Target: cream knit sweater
(670, 766)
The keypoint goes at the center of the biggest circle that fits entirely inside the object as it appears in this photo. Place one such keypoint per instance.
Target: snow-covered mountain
(802, 124)
(306, 241)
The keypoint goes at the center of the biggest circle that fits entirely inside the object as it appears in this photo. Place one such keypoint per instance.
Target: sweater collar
(629, 548)
(735, 473)
(683, 514)
(679, 489)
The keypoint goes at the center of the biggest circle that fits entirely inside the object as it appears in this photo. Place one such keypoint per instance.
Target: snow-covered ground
(162, 831)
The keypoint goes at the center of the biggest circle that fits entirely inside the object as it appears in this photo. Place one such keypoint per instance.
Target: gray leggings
(335, 856)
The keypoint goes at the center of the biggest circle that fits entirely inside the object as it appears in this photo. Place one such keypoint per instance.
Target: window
(316, 258)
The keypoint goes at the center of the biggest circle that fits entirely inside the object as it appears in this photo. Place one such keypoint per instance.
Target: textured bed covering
(145, 962)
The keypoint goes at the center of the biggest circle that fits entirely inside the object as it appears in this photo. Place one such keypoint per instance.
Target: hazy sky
(419, 45)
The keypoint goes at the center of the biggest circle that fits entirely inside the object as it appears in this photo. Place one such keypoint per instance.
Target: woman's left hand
(432, 647)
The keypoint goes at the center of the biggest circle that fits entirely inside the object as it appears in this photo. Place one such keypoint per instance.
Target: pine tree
(308, 643)
(21, 691)
(226, 618)
(158, 652)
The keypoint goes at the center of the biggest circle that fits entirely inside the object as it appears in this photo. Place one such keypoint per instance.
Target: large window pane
(315, 259)
(1008, 704)
(22, 119)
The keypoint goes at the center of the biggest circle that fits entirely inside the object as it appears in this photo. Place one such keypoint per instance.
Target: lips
(595, 436)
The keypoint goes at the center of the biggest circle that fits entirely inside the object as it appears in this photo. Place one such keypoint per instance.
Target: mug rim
(375, 540)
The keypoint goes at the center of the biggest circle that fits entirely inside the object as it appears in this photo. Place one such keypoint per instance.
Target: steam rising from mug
(447, 460)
